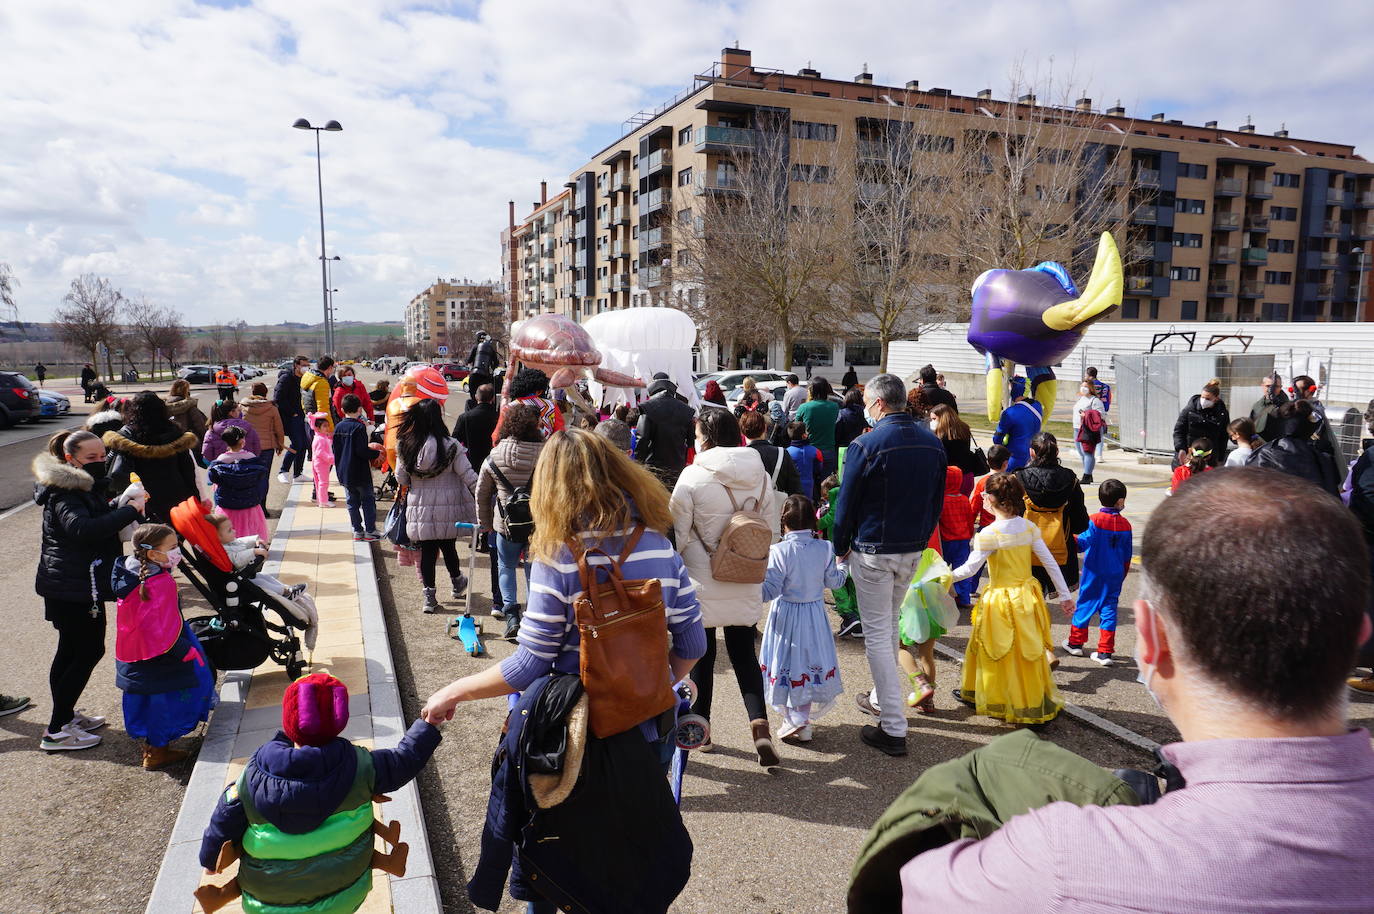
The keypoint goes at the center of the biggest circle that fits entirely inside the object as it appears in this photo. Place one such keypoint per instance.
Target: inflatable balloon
(562, 349)
(642, 342)
(1037, 317)
(419, 383)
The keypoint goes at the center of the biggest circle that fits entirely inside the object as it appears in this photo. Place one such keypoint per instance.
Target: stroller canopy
(189, 520)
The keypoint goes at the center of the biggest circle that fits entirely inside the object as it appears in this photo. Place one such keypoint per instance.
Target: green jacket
(971, 797)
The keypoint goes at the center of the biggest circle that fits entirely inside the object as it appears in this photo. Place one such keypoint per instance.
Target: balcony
(1223, 253)
(655, 200)
(1221, 288)
(1143, 250)
(1329, 227)
(1364, 230)
(547, 249)
(620, 283)
(581, 288)
(724, 139)
(1229, 187)
(619, 249)
(1260, 190)
(656, 160)
(1251, 256)
(1335, 197)
(1145, 215)
(1329, 261)
(653, 238)
(1226, 222)
(1257, 223)
(615, 215)
(1325, 291)
(1147, 177)
(1365, 199)
(651, 276)
(1252, 289)
(618, 183)
(713, 182)
(546, 275)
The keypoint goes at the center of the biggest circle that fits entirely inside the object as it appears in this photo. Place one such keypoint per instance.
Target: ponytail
(65, 444)
(145, 538)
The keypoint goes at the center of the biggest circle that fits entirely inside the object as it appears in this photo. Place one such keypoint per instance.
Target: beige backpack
(741, 555)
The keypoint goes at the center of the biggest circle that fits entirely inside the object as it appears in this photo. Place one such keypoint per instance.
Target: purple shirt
(1264, 825)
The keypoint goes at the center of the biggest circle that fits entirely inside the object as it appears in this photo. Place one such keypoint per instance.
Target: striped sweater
(549, 639)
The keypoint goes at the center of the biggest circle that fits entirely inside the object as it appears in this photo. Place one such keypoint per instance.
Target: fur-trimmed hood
(175, 443)
(50, 472)
(177, 406)
(107, 420)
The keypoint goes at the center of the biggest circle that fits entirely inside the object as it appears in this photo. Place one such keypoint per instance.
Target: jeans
(362, 508)
(80, 645)
(881, 581)
(739, 645)
(1089, 455)
(293, 462)
(507, 553)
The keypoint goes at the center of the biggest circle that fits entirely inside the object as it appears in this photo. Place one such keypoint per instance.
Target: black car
(198, 374)
(18, 399)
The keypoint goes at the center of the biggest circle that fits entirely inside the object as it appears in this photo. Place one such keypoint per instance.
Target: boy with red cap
(299, 818)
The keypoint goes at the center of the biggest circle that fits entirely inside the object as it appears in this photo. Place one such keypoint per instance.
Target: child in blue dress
(800, 670)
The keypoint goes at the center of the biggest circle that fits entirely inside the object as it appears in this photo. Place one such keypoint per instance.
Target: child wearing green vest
(299, 818)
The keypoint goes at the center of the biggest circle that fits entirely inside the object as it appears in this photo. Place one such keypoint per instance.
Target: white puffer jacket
(700, 500)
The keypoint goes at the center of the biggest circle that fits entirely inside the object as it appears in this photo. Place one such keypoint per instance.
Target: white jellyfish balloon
(641, 342)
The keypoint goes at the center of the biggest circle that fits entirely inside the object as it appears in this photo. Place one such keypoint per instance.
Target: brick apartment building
(1225, 224)
(449, 313)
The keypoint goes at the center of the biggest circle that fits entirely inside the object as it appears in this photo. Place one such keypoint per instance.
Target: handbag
(624, 648)
(395, 527)
(981, 467)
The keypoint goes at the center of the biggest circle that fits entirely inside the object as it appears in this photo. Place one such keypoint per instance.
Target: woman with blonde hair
(185, 413)
(957, 438)
(588, 492)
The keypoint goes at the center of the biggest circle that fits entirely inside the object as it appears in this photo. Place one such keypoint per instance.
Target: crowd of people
(702, 524)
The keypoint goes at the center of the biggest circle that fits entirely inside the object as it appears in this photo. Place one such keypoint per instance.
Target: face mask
(1206, 403)
(348, 379)
(173, 558)
(1145, 672)
(934, 424)
(95, 468)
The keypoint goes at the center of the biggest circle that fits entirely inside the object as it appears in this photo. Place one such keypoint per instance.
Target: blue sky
(150, 140)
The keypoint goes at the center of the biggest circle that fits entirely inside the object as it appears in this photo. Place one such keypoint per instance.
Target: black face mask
(96, 469)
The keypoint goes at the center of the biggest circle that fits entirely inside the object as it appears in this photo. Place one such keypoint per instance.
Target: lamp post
(332, 127)
(329, 284)
(1359, 282)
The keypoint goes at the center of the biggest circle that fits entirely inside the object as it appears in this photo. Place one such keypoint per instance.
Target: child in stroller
(243, 551)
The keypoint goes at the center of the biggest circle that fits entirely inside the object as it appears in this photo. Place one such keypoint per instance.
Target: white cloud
(151, 140)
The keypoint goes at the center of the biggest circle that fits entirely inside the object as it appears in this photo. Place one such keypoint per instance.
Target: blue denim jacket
(892, 489)
(800, 569)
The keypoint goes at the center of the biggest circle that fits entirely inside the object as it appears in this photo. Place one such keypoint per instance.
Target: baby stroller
(238, 636)
(388, 487)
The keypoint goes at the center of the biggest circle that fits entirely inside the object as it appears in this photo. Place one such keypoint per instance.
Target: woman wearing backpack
(509, 467)
(1089, 422)
(709, 497)
(1054, 503)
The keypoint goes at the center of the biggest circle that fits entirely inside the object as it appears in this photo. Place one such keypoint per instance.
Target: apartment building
(1224, 224)
(449, 313)
(537, 261)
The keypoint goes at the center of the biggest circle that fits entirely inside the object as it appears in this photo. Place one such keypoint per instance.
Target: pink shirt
(322, 450)
(1264, 825)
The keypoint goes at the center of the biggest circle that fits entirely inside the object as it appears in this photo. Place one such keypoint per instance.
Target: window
(1130, 309)
(865, 98)
(1051, 156)
(1188, 311)
(817, 350)
(927, 142)
(1185, 205)
(1283, 213)
(684, 136)
(1192, 170)
(1280, 245)
(684, 177)
(1285, 179)
(812, 174)
(1154, 309)
(808, 130)
(863, 352)
(1274, 311)
(821, 94)
(684, 217)
(1185, 274)
(684, 258)
(1187, 240)
(1278, 277)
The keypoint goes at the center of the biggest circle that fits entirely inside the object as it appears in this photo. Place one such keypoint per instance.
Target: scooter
(468, 629)
(693, 732)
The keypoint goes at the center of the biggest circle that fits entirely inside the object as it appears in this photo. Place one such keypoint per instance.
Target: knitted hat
(314, 709)
(1018, 387)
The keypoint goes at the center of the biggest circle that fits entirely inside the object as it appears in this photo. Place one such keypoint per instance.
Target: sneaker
(371, 536)
(921, 691)
(13, 704)
(1087, 480)
(894, 746)
(284, 478)
(851, 628)
(301, 477)
(866, 703)
(497, 612)
(358, 537)
(291, 593)
(1361, 683)
(790, 729)
(69, 738)
(1075, 649)
(1104, 659)
(88, 723)
(432, 604)
(799, 735)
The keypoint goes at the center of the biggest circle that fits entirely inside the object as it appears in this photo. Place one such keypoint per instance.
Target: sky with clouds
(150, 141)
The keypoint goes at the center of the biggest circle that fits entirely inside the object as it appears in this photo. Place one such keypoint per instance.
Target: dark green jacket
(971, 797)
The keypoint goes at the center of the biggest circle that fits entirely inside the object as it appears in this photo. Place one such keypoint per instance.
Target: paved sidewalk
(312, 545)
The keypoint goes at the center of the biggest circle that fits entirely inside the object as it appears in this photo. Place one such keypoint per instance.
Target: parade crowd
(650, 532)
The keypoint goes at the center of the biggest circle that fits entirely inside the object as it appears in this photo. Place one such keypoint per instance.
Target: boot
(460, 584)
(159, 756)
(432, 604)
(1087, 479)
(763, 744)
(513, 615)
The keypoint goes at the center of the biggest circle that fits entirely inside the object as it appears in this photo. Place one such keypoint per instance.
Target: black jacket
(1195, 422)
(788, 479)
(287, 395)
(1362, 489)
(849, 425)
(165, 465)
(1294, 452)
(474, 429)
(352, 456)
(1056, 487)
(79, 530)
(959, 453)
(935, 395)
(666, 429)
(1261, 412)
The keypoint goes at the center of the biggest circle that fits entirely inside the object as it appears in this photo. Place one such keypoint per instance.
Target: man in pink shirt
(1245, 645)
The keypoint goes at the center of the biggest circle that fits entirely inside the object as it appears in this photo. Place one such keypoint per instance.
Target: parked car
(196, 374)
(53, 405)
(245, 372)
(730, 380)
(452, 371)
(18, 399)
(410, 365)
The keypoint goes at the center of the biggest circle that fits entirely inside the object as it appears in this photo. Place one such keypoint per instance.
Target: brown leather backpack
(624, 630)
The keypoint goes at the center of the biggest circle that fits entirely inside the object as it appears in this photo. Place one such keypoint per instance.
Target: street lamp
(1359, 281)
(332, 127)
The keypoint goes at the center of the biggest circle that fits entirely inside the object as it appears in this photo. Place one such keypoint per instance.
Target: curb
(180, 871)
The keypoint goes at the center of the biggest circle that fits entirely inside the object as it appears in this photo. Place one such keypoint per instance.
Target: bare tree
(89, 317)
(9, 308)
(763, 242)
(215, 341)
(238, 341)
(149, 328)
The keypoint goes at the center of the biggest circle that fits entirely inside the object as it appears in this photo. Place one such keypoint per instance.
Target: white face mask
(1206, 403)
(1145, 672)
